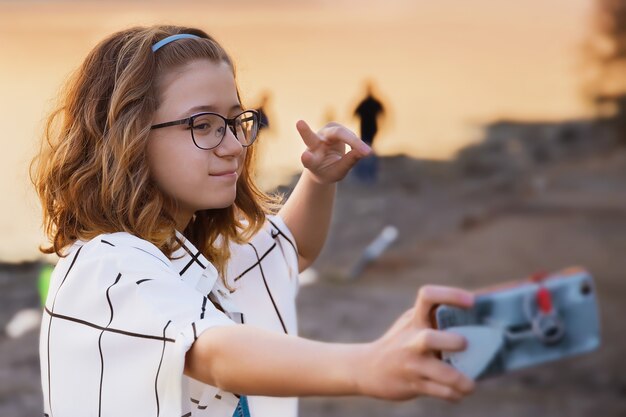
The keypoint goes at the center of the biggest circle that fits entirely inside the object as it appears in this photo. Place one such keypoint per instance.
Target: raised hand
(402, 364)
(325, 156)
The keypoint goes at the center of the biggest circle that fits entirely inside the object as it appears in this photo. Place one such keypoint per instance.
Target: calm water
(442, 69)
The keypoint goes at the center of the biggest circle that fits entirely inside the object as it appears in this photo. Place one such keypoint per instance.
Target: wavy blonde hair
(91, 172)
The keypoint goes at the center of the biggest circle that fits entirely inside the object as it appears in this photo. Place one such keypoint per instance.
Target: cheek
(171, 164)
(241, 162)
(158, 163)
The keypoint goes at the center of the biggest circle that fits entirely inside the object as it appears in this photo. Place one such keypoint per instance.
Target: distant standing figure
(262, 109)
(329, 116)
(368, 111)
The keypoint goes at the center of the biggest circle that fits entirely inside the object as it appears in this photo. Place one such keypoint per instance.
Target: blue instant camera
(541, 319)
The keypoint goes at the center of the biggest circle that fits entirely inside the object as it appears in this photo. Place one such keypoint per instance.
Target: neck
(182, 219)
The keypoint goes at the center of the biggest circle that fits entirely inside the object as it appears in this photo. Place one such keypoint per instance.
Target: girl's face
(197, 179)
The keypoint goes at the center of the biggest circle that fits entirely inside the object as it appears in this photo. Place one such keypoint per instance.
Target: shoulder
(278, 227)
(121, 251)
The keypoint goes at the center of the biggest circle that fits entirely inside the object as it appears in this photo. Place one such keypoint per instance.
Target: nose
(230, 145)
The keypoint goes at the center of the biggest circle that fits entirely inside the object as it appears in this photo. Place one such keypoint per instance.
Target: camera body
(517, 325)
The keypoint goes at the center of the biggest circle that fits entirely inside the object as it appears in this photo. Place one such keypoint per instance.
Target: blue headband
(172, 38)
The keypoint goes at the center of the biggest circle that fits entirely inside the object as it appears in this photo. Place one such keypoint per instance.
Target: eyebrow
(197, 109)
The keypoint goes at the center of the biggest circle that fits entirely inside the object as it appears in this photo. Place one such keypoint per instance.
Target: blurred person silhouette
(329, 115)
(262, 110)
(607, 83)
(369, 110)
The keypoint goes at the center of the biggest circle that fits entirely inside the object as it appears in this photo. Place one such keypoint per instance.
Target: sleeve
(118, 328)
(280, 229)
(188, 312)
(288, 246)
(176, 312)
(276, 247)
(161, 294)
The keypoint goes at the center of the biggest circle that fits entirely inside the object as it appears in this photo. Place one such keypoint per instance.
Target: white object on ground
(23, 322)
(373, 251)
(386, 237)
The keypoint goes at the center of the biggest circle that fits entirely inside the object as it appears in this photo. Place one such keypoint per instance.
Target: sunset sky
(444, 68)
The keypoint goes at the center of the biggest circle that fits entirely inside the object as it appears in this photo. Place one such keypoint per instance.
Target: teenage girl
(145, 181)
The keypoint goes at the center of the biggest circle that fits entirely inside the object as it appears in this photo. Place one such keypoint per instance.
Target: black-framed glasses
(208, 129)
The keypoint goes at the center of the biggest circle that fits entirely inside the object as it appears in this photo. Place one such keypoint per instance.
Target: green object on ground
(43, 282)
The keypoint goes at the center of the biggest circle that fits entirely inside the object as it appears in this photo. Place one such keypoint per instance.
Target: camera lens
(585, 288)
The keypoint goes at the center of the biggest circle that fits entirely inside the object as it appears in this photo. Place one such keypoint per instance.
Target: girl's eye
(201, 126)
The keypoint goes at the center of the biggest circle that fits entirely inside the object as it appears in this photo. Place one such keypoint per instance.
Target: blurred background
(500, 139)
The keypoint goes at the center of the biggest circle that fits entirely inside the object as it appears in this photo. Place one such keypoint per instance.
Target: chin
(222, 206)
(220, 203)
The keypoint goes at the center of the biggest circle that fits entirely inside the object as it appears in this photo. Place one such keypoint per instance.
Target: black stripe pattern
(258, 261)
(269, 292)
(108, 287)
(100, 343)
(279, 232)
(156, 379)
(108, 329)
(51, 312)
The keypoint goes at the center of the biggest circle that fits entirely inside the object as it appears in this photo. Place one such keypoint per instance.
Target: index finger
(432, 295)
(310, 138)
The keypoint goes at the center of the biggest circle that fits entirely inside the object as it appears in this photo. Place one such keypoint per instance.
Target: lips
(223, 173)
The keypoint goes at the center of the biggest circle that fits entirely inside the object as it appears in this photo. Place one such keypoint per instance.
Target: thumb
(348, 160)
(308, 159)
(430, 296)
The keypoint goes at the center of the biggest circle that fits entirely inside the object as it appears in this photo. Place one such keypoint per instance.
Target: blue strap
(173, 38)
(242, 409)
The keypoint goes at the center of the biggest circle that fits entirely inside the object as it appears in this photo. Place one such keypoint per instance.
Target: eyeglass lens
(208, 130)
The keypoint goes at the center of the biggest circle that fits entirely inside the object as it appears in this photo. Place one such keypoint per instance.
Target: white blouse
(264, 277)
(117, 323)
